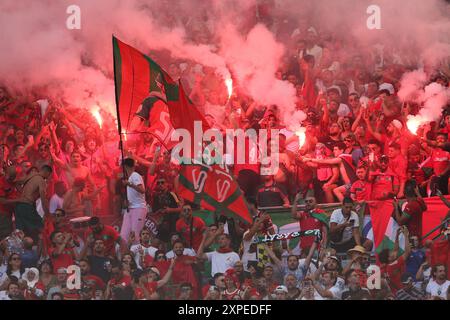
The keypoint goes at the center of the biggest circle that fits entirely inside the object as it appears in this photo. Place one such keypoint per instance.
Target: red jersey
(361, 190)
(394, 271)
(109, 235)
(231, 295)
(439, 160)
(308, 222)
(383, 183)
(399, 165)
(198, 226)
(183, 272)
(414, 211)
(124, 281)
(63, 260)
(94, 281)
(151, 288)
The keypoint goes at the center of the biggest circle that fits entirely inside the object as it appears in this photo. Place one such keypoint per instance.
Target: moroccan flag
(142, 90)
(210, 186)
(146, 91)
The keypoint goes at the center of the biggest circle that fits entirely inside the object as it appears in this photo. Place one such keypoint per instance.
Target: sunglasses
(161, 257)
(160, 182)
(309, 201)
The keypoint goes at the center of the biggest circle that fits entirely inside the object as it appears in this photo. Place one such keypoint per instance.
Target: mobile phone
(352, 222)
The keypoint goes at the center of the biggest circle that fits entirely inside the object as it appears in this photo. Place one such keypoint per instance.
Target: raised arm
(167, 276)
(273, 256)
(294, 213)
(375, 134)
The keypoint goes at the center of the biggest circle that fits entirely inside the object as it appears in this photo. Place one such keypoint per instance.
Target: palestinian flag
(142, 91)
(381, 228)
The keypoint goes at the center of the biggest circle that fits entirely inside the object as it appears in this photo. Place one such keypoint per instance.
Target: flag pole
(119, 126)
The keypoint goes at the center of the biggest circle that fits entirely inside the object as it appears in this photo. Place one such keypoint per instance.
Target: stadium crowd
(62, 189)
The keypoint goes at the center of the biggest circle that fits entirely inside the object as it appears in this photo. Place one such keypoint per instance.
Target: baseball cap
(386, 86)
(334, 258)
(335, 88)
(268, 265)
(62, 270)
(407, 278)
(281, 289)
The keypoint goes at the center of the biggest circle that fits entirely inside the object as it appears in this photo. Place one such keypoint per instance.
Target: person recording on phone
(344, 229)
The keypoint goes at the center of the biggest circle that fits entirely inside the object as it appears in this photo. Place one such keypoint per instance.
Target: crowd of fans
(62, 190)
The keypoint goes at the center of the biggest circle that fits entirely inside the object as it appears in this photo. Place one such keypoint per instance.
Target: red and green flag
(142, 91)
(145, 90)
(210, 186)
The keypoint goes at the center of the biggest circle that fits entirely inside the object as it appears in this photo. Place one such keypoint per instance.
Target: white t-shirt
(221, 262)
(55, 203)
(339, 218)
(187, 252)
(147, 251)
(4, 295)
(136, 199)
(247, 256)
(5, 277)
(434, 289)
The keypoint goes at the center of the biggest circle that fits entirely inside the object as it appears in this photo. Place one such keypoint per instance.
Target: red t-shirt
(96, 281)
(414, 211)
(151, 288)
(63, 260)
(198, 226)
(383, 183)
(361, 190)
(183, 272)
(399, 165)
(109, 236)
(395, 271)
(308, 222)
(439, 160)
(123, 281)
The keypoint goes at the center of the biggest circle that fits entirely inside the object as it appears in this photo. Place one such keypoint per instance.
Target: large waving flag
(142, 90)
(210, 186)
(146, 91)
